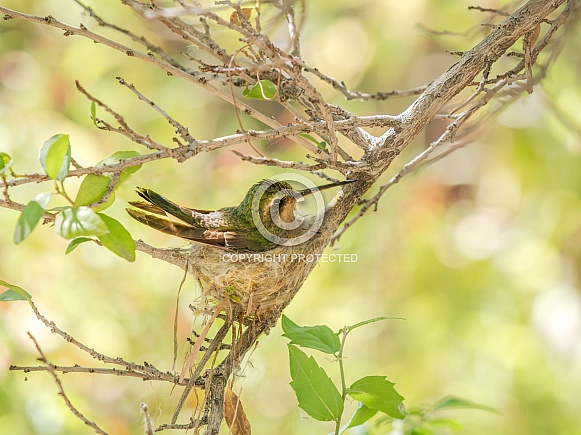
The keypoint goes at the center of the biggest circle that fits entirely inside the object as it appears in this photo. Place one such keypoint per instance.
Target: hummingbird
(265, 217)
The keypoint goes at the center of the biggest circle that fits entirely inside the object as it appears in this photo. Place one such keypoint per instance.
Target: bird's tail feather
(178, 229)
(167, 206)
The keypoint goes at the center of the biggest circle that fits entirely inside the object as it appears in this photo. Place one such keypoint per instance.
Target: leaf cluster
(320, 398)
(317, 394)
(81, 220)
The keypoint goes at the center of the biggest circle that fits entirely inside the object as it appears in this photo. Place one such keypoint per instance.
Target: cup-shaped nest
(255, 284)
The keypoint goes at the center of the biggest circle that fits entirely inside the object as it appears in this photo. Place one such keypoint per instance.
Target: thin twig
(190, 76)
(92, 352)
(62, 393)
(293, 30)
(279, 163)
(357, 95)
(494, 11)
(123, 128)
(130, 372)
(413, 164)
(175, 319)
(139, 39)
(180, 129)
(478, 90)
(147, 420)
(213, 346)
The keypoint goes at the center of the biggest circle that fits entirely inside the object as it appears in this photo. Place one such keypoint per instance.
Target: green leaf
(445, 423)
(92, 189)
(55, 156)
(30, 216)
(76, 242)
(262, 90)
(321, 145)
(14, 293)
(118, 157)
(231, 290)
(376, 392)
(319, 337)
(82, 221)
(94, 113)
(316, 393)
(5, 162)
(458, 402)
(362, 414)
(117, 240)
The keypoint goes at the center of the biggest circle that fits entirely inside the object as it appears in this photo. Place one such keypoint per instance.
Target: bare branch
(190, 76)
(148, 421)
(139, 39)
(124, 128)
(92, 352)
(62, 393)
(257, 57)
(159, 376)
(180, 129)
(357, 95)
(212, 347)
(406, 169)
(280, 163)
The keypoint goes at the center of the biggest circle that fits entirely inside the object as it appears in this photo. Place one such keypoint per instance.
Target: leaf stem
(61, 191)
(342, 374)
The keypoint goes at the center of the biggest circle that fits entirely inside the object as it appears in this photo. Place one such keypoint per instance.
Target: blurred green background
(480, 252)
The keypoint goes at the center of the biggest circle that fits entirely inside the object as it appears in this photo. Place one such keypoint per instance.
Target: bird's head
(278, 199)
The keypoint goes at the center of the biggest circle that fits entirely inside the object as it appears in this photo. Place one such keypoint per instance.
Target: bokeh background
(479, 252)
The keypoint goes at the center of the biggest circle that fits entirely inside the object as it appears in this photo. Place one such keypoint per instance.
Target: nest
(257, 283)
(254, 284)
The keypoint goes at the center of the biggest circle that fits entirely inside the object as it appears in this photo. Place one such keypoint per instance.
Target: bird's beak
(305, 192)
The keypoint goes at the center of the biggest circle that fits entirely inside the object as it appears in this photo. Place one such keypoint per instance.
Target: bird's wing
(198, 210)
(236, 240)
(151, 208)
(165, 225)
(148, 207)
(188, 215)
(227, 239)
